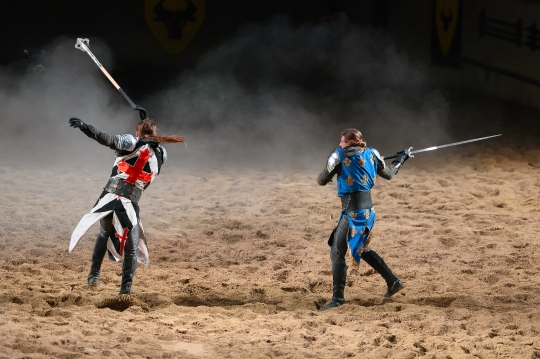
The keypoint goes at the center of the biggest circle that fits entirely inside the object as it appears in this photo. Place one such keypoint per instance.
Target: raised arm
(115, 142)
(333, 167)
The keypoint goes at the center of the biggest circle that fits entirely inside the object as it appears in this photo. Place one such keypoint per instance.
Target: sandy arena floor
(240, 265)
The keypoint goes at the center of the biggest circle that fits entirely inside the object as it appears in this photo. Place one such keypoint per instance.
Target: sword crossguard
(410, 152)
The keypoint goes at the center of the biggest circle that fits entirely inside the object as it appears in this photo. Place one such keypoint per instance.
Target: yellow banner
(446, 19)
(174, 23)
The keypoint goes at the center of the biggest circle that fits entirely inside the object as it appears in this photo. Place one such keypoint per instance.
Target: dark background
(139, 60)
(274, 80)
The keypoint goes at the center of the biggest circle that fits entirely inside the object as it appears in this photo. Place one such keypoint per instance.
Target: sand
(240, 265)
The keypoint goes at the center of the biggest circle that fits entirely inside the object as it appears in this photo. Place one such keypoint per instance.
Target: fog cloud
(281, 94)
(272, 95)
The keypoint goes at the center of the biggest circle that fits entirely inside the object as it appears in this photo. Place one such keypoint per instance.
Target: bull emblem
(446, 19)
(175, 21)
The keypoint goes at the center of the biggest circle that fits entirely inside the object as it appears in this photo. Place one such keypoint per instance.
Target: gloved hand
(142, 112)
(402, 157)
(77, 123)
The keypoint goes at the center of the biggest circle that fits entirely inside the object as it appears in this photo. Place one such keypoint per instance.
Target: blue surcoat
(357, 175)
(357, 172)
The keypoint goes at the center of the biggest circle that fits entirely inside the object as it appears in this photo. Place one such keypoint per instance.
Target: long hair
(148, 129)
(353, 137)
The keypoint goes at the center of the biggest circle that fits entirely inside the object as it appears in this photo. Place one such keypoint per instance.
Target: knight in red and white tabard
(138, 161)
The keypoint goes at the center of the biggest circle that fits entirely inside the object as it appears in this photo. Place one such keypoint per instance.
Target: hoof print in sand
(120, 303)
(319, 303)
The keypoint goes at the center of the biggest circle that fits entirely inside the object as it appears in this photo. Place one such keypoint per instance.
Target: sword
(83, 45)
(443, 146)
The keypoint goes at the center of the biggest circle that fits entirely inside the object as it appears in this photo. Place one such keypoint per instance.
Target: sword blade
(443, 146)
(454, 144)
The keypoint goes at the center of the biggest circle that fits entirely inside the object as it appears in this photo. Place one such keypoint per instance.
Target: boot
(377, 263)
(97, 257)
(339, 276)
(130, 260)
(396, 287)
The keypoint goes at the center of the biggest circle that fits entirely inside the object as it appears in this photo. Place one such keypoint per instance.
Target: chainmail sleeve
(114, 142)
(325, 176)
(386, 172)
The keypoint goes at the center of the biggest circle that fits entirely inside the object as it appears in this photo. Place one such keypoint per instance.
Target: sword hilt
(395, 155)
(390, 157)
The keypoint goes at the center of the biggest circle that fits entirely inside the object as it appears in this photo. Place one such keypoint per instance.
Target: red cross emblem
(136, 172)
(123, 239)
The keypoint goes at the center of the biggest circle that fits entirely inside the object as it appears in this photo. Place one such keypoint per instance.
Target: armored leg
(339, 267)
(377, 263)
(130, 260)
(100, 248)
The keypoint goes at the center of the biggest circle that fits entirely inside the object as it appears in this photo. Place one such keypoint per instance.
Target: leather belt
(119, 187)
(356, 200)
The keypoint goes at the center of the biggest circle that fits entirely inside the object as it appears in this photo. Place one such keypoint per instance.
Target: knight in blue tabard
(356, 167)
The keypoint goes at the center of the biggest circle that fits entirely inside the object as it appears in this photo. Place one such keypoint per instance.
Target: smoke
(273, 95)
(37, 104)
(280, 95)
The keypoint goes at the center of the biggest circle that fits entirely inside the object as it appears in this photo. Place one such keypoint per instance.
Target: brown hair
(353, 137)
(148, 129)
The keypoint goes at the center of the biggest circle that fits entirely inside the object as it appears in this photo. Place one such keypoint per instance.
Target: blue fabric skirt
(360, 225)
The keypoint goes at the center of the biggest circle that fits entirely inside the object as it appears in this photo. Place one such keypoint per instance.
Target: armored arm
(114, 142)
(333, 167)
(387, 172)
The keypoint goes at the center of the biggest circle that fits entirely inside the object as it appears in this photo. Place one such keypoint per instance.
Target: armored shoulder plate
(333, 161)
(125, 142)
(379, 157)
